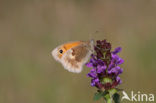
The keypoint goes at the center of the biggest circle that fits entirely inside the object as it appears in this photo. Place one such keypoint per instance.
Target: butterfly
(73, 55)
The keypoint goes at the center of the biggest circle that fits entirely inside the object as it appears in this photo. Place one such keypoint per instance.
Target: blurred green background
(30, 29)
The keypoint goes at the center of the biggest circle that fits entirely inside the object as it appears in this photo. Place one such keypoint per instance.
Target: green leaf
(116, 98)
(107, 97)
(98, 95)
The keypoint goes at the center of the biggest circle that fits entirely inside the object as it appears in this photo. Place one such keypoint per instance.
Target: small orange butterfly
(73, 55)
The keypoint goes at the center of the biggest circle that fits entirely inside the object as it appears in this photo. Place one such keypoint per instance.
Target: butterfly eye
(61, 51)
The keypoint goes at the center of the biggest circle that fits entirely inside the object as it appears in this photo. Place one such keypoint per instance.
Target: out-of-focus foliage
(30, 29)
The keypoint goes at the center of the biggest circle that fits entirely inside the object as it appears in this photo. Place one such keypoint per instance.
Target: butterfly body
(73, 55)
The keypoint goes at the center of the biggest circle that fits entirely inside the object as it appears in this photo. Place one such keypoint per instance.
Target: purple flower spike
(105, 66)
(94, 82)
(116, 59)
(92, 73)
(89, 65)
(101, 69)
(120, 61)
(117, 50)
(116, 70)
(118, 80)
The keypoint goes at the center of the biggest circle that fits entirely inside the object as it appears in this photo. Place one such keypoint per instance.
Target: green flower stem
(112, 91)
(109, 95)
(108, 98)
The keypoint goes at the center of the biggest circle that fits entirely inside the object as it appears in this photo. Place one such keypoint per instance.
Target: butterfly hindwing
(74, 58)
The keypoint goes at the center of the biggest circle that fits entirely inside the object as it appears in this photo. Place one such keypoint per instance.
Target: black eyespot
(61, 51)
